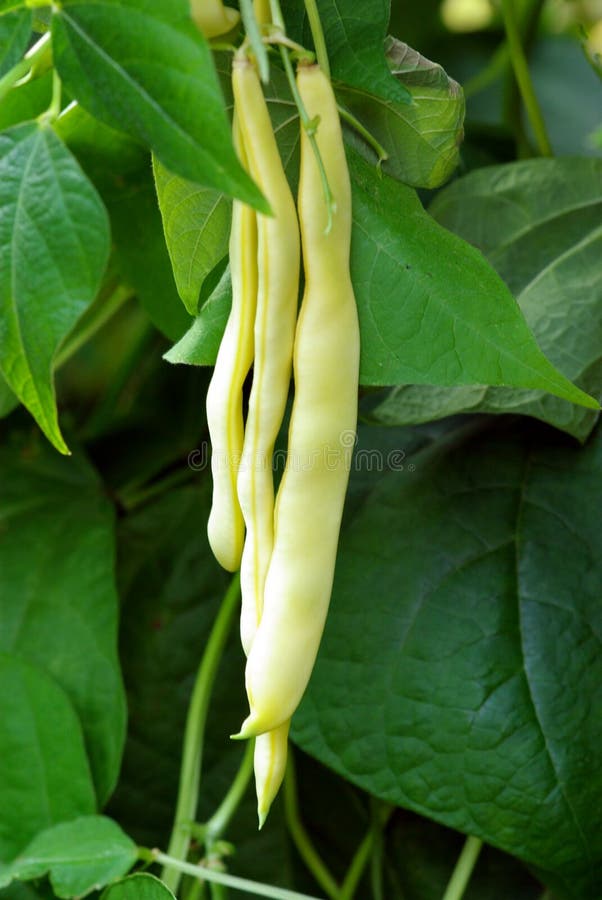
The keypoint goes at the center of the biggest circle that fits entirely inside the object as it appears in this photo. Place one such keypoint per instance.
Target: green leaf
(476, 663)
(199, 346)
(142, 256)
(119, 168)
(26, 101)
(59, 605)
(15, 29)
(140, 886)
(355, 43)
(141, 66)
(44, 777)
(432, 310)
(52, 214)
(196, 221)
(7, 5)
(423, 138)
(108, 157)
(539, 224)
(80, 856)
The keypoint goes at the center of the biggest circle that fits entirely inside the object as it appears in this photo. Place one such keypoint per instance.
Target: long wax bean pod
(224, 397)
(311, 495)
(278, 285)
(212, 17)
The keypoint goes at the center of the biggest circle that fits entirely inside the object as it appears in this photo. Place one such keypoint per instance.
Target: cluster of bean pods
(285, 546)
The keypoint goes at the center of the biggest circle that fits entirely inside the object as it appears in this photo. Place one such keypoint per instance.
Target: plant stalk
(301, 839)
(256, 888)
(317, 33)
(523, 78)
(464, 869)
(190, 772)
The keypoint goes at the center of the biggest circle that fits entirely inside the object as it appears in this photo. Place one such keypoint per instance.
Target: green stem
(254, 37)
(135, 359)
(81, 335)
(25, 65)
(363, 131)
(308, 124)
(54, 110)
(131, 497)
(197, 890)
(317, 33)
(257, 888)
(380, 816)
(301, 839)
(358, 865)
(463, 870)
(367, 850)
(493, 70)
(190, 772)
(221, 818)
(523, 78)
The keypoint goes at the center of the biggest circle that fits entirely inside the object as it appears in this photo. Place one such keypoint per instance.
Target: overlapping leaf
(196, 221)
(355, 43)
(464, 688)
(54, 243)
(45, 776)
(432, 310)
(59, 605)
(538, 222)
(422, 139)
(140, 886)
(79, 856)
(15, 29)
(141, 66)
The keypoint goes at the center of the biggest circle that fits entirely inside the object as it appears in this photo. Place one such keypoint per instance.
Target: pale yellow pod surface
(321, 437)
(271, 750)
(212, 17)
(225, 528)
(262, 11)
(278, 260)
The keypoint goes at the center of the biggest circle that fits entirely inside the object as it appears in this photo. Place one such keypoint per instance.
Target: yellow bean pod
(310, 499)
(278, 263)
(226, 528)
(212, 18)
(271, 750)
(279, 259)
(262, 11)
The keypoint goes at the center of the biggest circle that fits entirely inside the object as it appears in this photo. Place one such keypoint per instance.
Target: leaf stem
(317, 33)
(190, 771)
(258, 888)
(89, 326)
(523, 78)
(308, 124)
(305, 848)
(364, 854)
(463, 869)
(254, 36)
(24, 66)
(54, 110)
(363, 131)
(221, 818)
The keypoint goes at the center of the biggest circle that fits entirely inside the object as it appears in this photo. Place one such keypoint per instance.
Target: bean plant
(449, 744)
